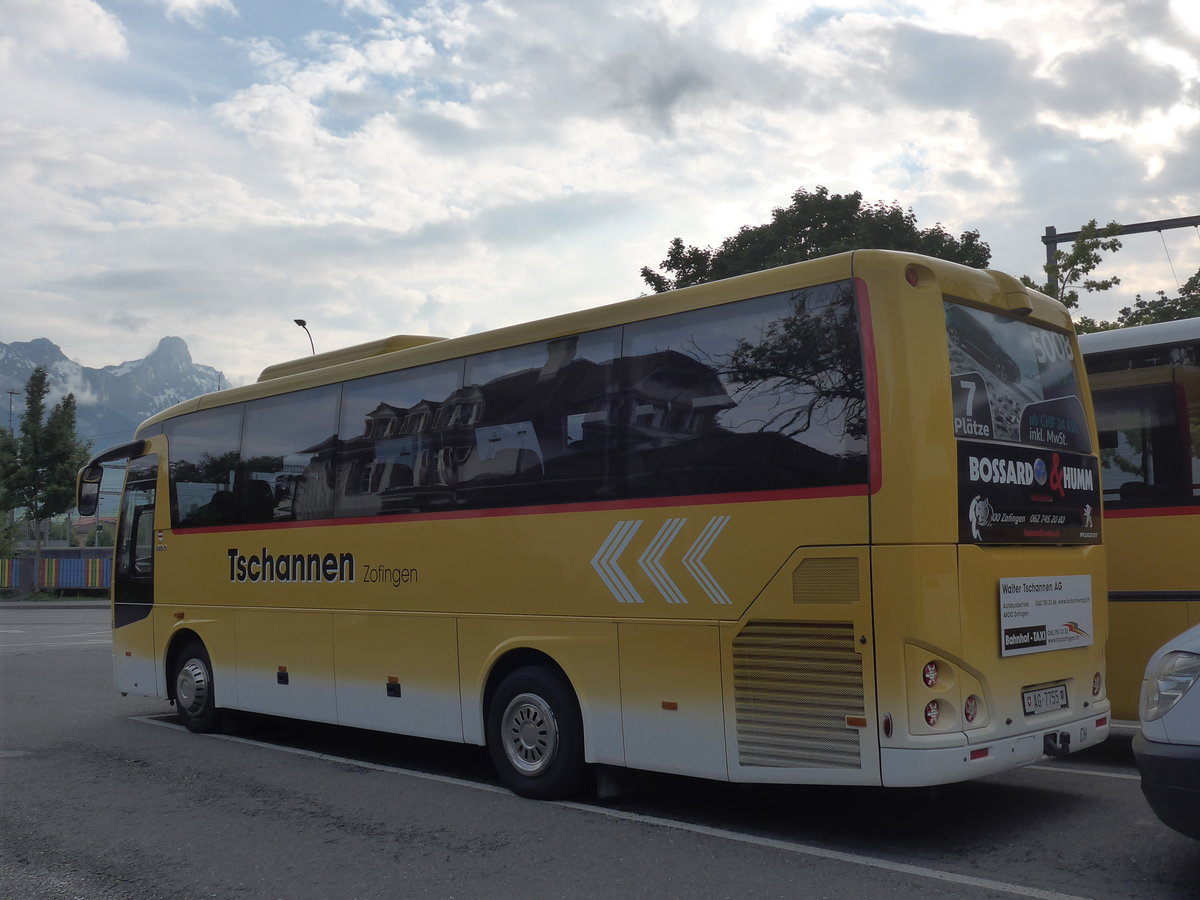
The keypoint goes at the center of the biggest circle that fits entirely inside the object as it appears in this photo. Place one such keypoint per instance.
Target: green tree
(1160, 309)
(8, 539)
(1071, 269)
(105, 536)
(816, 223)
(39, 463)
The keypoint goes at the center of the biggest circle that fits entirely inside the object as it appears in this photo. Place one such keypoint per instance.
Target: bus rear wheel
(535, 735)
(195, 698)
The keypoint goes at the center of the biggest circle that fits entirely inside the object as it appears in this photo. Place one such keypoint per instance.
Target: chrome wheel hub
(530, 734)
(192, 687)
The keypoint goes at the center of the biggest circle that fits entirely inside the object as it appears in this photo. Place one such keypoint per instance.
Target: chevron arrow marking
(607, 558)
(693, 560)
(649, 561)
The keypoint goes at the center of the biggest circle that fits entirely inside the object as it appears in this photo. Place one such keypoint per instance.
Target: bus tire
(535, 735)
(194, 689)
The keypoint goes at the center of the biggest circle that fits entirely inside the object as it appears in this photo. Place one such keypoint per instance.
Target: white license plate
(1046, 699)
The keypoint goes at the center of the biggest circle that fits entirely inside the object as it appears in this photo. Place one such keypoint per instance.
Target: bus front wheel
(195, 699)
(535, 735)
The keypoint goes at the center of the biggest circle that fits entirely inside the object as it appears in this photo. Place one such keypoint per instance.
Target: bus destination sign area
(1046, 613)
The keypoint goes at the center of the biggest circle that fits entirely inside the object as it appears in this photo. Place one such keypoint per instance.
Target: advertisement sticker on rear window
(1013, 381)
(1045, 613)
(1009, 494)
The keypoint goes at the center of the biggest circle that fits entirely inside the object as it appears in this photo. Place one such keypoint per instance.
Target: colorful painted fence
(57, 573)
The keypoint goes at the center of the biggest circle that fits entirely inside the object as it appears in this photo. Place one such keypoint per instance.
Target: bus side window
(389, 456)
(287, 450)
(763, 394)
(538, 428)
(135, 527)
(1146, 457)
(203, 449)
(141, 544)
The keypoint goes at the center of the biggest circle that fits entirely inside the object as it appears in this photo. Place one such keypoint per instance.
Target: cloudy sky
(214, 169)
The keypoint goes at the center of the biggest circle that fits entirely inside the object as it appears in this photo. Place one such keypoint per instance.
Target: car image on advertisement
(1167, 748)
(973, 338)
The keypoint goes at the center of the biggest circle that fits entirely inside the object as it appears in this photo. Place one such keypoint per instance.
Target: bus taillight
(930, 674)
(933, 712)
(1097, 683)
(971, 709)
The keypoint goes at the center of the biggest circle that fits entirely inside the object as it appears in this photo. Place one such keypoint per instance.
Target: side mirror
(89, 498)
(87, 483)
(87, 491)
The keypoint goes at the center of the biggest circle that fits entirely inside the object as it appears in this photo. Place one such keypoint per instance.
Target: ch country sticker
(607, 561)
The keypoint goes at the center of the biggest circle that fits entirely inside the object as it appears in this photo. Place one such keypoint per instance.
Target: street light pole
(303, 324)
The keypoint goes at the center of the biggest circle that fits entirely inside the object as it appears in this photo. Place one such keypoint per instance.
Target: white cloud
(39, 28)
(465, 165)
(194, 12)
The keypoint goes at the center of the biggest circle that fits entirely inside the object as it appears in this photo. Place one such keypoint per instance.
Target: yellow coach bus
(835, 522)
(1145, 384)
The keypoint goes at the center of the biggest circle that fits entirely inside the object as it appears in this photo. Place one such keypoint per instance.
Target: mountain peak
(169, 358)
(39, 352)
(173, 347)
(114, 400)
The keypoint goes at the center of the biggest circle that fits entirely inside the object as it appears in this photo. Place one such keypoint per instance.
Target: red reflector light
(670, 704)
(856, 721)
(979, 754)
(1101, 722)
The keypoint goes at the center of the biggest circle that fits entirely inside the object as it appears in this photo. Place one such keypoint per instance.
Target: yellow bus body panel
(1145, 556)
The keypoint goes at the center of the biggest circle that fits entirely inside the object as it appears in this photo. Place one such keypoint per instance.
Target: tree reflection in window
(809, 364)
(763, 394)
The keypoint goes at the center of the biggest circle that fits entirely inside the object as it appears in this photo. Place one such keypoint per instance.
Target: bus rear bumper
(944, 765)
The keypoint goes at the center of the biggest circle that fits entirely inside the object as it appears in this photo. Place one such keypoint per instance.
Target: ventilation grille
(826, 581)
(794, 685)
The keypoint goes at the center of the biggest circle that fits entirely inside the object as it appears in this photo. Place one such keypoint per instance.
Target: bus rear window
(1025, 473)
(1013, 381)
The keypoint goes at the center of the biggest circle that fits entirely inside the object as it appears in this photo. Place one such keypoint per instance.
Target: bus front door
(133, 580)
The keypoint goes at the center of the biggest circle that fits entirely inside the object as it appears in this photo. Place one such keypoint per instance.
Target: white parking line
(1072, 771)
(987, 884)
